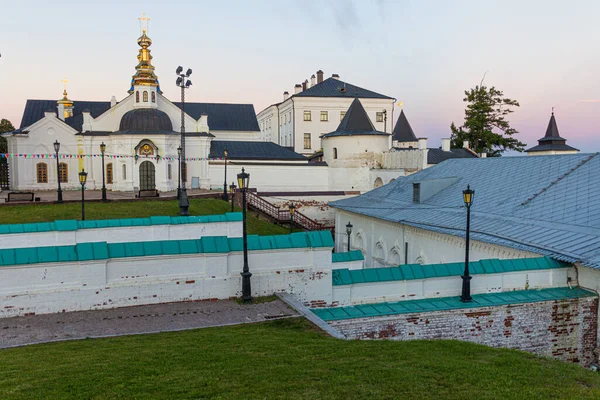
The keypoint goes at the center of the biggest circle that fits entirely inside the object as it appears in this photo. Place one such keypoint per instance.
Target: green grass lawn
(285, 359)
(128, 209)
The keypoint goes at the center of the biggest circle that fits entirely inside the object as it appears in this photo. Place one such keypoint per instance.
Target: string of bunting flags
(108, 156)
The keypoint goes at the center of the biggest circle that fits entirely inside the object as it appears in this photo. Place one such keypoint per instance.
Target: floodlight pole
(184, 203)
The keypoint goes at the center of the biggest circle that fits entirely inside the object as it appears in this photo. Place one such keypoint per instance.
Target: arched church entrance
(147, 176)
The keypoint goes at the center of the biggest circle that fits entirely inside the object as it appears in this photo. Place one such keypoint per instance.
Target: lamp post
(384, 121)
(82, 181)
(232, 192)
(225, 180)
(348, 233)
(243, 182)
(468, 195)
(184, 83)
(56, 149)
(179, 172)
(102, 150)
(292, 211)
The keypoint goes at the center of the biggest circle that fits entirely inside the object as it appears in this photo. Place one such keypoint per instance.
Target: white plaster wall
(358, 264)
(60, 287)
(121, 234)
(355, 151)
(382, 243)
(364, 293)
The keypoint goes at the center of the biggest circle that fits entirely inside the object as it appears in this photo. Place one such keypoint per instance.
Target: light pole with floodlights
(56, 149)
(184, 83)
(243, 182)
(465, 297)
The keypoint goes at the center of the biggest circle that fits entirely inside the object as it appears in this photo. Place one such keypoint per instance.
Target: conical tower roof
(552, 140)
(403, 131)
(355, 122)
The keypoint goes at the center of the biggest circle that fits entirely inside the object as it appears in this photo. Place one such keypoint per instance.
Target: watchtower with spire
(552, 142)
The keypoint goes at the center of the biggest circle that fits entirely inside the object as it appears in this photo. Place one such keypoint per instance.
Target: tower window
(137, 97)
(63, 172)
(335, 153)
(307, 116)
(109, 173)
(379, 117)
(153, 97)
(42, 172)
(145, 96)
(324, 116)
(124, 172)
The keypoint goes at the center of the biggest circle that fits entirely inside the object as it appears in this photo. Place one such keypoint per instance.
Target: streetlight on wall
(243, 182)
(232, 192)
(384, 120)
(82, 181)
(225, 180)
(468, 195)
(102, 150)
(292, 211)
(184, 83)
(56, 149)
(348, 233)
(179, 172)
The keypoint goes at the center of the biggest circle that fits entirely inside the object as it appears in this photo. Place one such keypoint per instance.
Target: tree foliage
(486, 127)
(5, 126)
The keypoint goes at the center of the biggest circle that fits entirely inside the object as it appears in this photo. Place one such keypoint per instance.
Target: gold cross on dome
(64, 82)
(144, 22)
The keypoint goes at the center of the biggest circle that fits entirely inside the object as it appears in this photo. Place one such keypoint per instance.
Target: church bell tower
(144, 83)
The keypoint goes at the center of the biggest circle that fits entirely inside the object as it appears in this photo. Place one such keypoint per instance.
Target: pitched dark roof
(331, 87)
(355, 122)
(35, 109)
(552, 140)
(245, 150)
(224, 117)
(436, 156)
(402, 131)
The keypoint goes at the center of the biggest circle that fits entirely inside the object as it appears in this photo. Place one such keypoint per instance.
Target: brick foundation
(564, 329)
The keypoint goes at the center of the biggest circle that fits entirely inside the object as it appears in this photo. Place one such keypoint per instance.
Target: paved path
(135, 320)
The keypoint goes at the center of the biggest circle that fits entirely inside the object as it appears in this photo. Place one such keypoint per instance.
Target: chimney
(87, 120)
(297, 88)
(61, 111)
(203, 123)
(422, 143)
(483, 155)
(286, 96)
(319, 76)
(113, 101)
(305, 85)
(465, 144)
(446, 144)
(312, 80)
(49, 114)
(335, 76)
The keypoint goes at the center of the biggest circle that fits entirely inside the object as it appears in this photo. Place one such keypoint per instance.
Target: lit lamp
(102, 150)
(82, 181)
(468, 195)
(243, 182)
(348, 233)
(225, 180)
(292, 211)
(56, 149)
(232, 193)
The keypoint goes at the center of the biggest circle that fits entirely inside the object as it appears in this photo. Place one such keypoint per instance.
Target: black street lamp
(349, 232)
(243, 182)
(56, 149)
(102, 150)
(184, 83)
(384, 121)
(292, 211)
(179, 173)
(225, 180)
(468, 195)
(82, 181)
(232, 192)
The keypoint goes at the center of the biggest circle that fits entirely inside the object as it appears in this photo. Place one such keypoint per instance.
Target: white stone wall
(383, 243)
(75, 286)
(121, 234)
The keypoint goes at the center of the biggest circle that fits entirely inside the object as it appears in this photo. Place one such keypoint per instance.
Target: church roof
(246, 150)
(552, 140)
(147, 120)
(355, 122)
(35, 109)
(546, 205)
(331, 87)
(403, 131)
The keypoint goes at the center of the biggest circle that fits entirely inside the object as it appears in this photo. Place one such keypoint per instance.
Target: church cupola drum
(144, 83)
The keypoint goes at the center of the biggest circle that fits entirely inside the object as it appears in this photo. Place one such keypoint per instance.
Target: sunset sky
(424, 53)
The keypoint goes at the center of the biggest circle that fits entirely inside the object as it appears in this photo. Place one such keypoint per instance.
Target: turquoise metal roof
(73, 225)
(345, 276)
(450, 303)
(206, 244)
(354, 255)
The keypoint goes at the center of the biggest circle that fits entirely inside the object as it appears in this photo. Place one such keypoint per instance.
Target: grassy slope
(131, 209)
(282, 360)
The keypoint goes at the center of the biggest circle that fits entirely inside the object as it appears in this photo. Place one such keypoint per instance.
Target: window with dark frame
(63, 172)
(379, 117)
(42, 172)
(307, 116)
(109, 173)
(324, 116)
(307, 144)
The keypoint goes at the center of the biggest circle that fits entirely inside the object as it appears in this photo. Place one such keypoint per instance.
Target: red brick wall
(565, 329)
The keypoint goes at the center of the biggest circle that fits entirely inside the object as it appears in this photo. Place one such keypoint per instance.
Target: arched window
(124, 172)
(109, 173)
(153, 97)
(42, 172)
(137, 97)
(335, 153)
(378, 183)
(145, 96)
(63, 172)
(379, 259)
